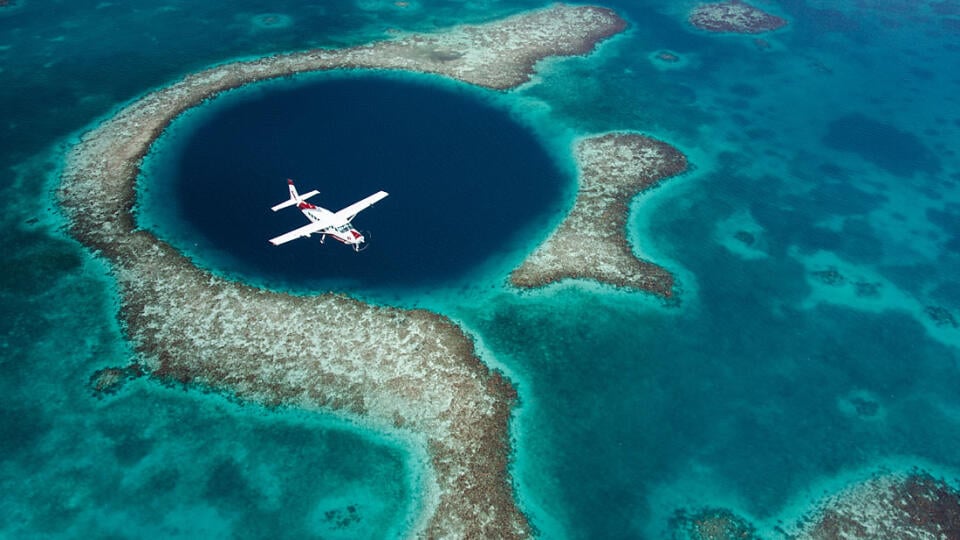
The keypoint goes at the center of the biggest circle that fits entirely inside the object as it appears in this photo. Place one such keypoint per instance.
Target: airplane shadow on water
(465, 181)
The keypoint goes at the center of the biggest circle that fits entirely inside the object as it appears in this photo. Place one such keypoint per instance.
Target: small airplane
(336, 224)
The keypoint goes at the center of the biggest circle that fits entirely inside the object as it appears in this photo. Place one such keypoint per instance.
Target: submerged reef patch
(899, 503)
(408, 371)
(908, 505)
(110, 380)
(591, 242)
(271, 21)
(734, 17)
(665, 59)
(711, 524)
(862, 405)
(896, 151)
(941, 316)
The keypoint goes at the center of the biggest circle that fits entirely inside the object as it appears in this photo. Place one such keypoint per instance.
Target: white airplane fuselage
(343, 232)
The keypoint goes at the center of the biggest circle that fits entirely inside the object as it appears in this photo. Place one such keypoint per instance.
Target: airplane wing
(349, 212)
(306, 230)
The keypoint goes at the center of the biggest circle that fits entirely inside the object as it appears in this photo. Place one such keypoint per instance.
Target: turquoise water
(814, 243)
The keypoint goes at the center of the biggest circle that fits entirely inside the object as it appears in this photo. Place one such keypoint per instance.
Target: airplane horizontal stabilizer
(292, 201)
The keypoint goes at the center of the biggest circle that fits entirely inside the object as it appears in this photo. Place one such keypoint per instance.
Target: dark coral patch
(110, 380)
(711, 524)
(830, 276)
(916, 506)
(734, 16)
(941, 316)
(34, 262)
(899, 152)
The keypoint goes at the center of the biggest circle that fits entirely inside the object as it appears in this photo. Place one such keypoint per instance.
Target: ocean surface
(813, 338)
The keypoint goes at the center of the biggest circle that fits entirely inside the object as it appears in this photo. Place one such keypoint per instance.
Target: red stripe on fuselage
(306, 206)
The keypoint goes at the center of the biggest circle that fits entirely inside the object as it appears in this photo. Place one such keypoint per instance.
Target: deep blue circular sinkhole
(466, 182)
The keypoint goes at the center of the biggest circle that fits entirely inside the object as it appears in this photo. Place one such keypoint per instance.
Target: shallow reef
(909, 503)
(734, 17)
(591, 242)
(891, 505)
(711, 524)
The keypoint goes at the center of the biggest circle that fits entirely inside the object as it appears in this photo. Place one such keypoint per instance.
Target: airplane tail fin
(295, 198)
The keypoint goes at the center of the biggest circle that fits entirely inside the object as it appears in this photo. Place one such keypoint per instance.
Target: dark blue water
(466, 181)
